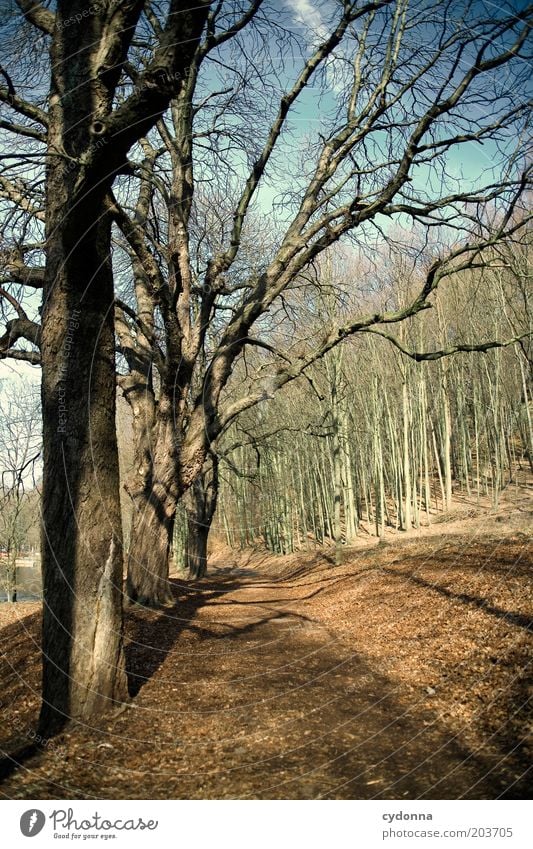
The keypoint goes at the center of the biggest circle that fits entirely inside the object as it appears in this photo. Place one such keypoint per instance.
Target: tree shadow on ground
(512, 618)
(260, 702)
(300, 716)
(151, 635)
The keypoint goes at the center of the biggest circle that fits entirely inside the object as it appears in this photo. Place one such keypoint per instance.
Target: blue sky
(310, 19)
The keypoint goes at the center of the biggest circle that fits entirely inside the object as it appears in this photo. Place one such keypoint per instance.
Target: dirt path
(398, 675)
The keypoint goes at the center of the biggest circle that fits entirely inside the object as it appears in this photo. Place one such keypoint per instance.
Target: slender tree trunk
(11, 575)
(476, 446)
(302, 501)
(439, 470)
(406, 459)
(337, 479)
(528, 413)
(424, 438)
(349, 497)
(447, 438)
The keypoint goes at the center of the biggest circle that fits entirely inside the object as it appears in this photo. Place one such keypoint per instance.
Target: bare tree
(400, 106)
(402, 90)
(200, 502)
(20, 449)
(377, 438)
(84, 122)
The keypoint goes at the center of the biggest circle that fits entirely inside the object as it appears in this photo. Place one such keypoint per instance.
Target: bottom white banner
(244, 824)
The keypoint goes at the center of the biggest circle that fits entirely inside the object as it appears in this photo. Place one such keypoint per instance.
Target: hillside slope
(403, 673)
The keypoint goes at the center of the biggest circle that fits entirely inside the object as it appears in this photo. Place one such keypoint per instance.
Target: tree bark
(89, 136)
(148, 558)
(155, 498)
(84, 670)
(83, 661)
(198, 534)
(406, 459)
(200, 502)
(11, 576)
(164, 471)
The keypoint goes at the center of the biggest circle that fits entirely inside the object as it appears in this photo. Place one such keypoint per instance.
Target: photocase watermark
(62, 411)
(34, 737)
(93, 9)
(91, 150)
(66, 824)
(45, 743)
(406, 815)
(32, 822)
(66, 820)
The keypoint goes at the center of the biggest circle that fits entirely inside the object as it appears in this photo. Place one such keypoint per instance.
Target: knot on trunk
(98, 128)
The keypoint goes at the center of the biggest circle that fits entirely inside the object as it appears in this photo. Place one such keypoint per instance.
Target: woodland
(266, 399)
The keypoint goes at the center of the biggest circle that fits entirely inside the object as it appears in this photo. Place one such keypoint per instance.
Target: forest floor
(403, 673)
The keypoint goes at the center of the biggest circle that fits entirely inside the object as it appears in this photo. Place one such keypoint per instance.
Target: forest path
(371, 680)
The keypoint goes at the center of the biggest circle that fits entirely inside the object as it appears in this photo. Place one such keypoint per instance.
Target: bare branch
(420, 356)
(19, 328)
(18, 193)
(38, 15)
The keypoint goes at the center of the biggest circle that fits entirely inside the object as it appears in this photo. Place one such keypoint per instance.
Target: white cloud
(309, 17)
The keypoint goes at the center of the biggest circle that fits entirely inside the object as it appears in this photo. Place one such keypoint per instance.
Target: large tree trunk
(149, 553)
(166, 469)
(83, 661)
(152, 533)
(84, 671)
(200, 502)
(154, 513)
(88, 140)
(154, 490)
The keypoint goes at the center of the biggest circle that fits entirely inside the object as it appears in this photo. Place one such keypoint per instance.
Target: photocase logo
(32, 822)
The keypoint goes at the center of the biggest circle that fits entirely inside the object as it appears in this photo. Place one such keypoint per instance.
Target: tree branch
(424, 356)
(37, 15)
(19, 328)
